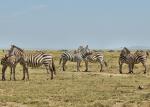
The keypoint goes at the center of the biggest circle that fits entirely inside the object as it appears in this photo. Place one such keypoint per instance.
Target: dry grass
(78, 89)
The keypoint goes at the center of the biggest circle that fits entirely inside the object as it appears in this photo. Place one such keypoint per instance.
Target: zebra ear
(127, 50)
(12, 45)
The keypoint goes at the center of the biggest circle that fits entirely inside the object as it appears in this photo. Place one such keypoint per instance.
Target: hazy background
(61, 24)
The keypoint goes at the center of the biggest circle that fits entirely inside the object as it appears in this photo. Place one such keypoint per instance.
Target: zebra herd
(36, 59)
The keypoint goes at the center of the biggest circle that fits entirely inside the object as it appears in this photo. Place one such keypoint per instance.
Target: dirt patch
(99, 73)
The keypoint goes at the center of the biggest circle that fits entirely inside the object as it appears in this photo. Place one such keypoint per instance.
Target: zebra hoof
(85, 70)
(129, 72)
(3, 79)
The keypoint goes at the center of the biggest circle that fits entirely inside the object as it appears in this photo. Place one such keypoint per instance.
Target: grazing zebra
(95, 57)
(10, 61)
(74, 56)
(131, 59)
(34, 59)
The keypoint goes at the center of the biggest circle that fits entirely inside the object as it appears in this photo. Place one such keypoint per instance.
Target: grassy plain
(78, 89)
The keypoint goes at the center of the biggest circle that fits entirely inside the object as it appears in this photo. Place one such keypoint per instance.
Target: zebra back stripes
(34, 59)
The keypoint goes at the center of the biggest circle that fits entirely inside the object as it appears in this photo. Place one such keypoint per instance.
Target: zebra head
(14, 50)
(125, 51)
(85, 51)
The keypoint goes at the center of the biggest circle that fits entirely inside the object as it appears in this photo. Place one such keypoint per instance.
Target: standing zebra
(74, 56)
(10, 61)
(131, 59)
(34, 59)
(95, 57)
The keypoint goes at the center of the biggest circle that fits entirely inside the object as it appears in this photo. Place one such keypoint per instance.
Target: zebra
(74, 56)
(131, 59)
(10, 61)
(34, 59)
(95, 57)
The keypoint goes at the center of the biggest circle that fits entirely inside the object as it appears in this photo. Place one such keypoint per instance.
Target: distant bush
(111, 50)
(63, 50)
(97, 50)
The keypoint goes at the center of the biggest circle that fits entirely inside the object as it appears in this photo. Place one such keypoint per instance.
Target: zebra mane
(13, 46)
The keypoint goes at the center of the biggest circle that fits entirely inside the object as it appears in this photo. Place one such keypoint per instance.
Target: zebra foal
(11, 62)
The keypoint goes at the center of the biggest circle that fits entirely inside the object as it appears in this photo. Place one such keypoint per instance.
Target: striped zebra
(138, 57)
(95, 57)
(34, 59)
(10, 61)
(74, 56)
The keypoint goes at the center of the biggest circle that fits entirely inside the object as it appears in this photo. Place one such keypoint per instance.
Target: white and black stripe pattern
(9, 61)
(95, 57)
(34, 59)
(131, 59)
(74, 56)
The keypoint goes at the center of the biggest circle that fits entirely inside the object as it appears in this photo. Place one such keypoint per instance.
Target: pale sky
(66, 24)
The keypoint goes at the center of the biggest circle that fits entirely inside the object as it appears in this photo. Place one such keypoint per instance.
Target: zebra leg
(144, 64)
(78, 65)
(86, 65)
(51, 70)
(105, 63)
(120, 67)
(27, 73)
(23, 78)
(3, 72)
(53, 67)
(101, 67)
(63, 64)
(11, 70)
(47, 69)
(130, 68)
(14, 78)
(24, 70)
(101, 64)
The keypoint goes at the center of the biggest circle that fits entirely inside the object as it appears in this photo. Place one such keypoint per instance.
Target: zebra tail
(147, 53)
(60, 60)
(105, 63)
